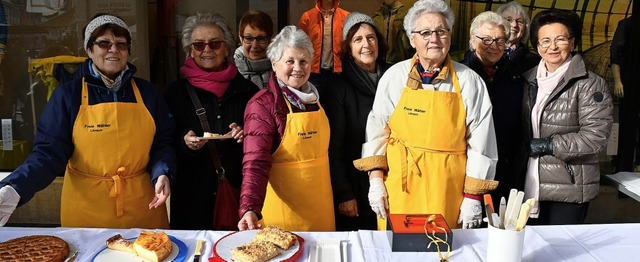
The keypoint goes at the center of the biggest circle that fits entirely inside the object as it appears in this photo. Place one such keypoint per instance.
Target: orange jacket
(312, 22)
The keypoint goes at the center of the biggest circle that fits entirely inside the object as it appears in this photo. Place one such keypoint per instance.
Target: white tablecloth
(580, 243)
(89, 242)
(584, 243)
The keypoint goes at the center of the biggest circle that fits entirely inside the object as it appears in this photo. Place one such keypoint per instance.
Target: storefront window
(43, 46)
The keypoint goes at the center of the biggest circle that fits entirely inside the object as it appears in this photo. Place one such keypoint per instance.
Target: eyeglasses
(106, 45)
(213, 45)
(260, 39)
(560, 40)
(426, 33)
(488, 41)
(518, 21)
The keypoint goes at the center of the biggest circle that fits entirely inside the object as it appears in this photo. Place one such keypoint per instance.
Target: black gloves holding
(540, 147)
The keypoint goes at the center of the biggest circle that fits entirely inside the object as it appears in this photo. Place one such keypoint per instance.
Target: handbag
(225, 211)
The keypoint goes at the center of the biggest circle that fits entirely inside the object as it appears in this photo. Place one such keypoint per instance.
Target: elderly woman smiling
(519, 25)
(255, 30)
(430, 131)
(223, 93)
(568, 112)
(117, 176)
(488, 36)
(286, 164)
(348, 103)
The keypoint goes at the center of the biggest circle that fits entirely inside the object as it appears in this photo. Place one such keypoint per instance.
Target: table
(598, 242)
(584, 243)
(90, 241)
(627, 183)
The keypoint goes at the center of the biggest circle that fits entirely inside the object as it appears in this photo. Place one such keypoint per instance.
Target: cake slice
(117, 242)
(255, 251)
(281, 238)
(152, 246)
(209, 134)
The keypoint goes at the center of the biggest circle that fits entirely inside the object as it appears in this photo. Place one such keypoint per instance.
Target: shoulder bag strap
(201, 112)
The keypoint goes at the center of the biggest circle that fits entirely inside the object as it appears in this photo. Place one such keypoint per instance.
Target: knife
(502, 211)
(199, 245)
(72, 257)
(523, 217)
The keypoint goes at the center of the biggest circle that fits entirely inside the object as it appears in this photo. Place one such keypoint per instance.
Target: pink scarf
(214, 82)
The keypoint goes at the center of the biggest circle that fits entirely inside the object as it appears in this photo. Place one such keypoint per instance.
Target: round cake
(34, 248)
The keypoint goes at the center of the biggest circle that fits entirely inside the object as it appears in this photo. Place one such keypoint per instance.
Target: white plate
(325, 250)
(222, 248)
(178, 253)
(215, 137)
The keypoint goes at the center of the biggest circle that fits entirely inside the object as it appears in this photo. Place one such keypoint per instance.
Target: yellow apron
(299, 196)
(426, 153)
(106, 183)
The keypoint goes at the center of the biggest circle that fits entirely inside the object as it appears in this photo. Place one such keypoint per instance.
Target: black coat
(194, 190)
(347, 105)
(506, 90)
(523, 58)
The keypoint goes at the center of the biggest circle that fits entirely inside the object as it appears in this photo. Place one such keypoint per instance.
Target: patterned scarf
(257, 71)
(426, 76)
(308, 94)
(113, 84)
(215, 82)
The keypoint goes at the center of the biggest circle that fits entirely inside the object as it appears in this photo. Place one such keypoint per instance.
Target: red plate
(222, 248)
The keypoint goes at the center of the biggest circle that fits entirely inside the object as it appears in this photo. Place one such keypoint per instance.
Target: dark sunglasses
(106, 45)
(213, 45)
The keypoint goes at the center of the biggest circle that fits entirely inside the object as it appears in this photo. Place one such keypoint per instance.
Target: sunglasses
(213, 45)
(106, 45)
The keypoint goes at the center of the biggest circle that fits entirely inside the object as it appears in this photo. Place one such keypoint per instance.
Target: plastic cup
(504, 245)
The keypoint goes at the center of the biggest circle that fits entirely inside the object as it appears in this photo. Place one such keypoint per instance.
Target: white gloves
(378, 198)
(8, 201)
(470, 213)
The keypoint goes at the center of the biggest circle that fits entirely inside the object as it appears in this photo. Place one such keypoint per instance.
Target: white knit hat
(100, 21)
(355, 18)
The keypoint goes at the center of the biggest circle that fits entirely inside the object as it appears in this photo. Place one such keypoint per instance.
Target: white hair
(487, 17)
(289, 36)
(517, 8)
(427, 6)
(207, 19)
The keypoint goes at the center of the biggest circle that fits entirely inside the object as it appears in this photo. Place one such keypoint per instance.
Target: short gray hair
(207, 19)
(487, 17)
(427, 6)
(515, 7)
(289, 36)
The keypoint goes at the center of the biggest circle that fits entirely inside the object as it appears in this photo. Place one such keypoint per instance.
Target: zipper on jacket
(572, 175)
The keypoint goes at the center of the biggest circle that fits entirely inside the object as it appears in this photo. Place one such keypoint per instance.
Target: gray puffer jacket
(578, 117)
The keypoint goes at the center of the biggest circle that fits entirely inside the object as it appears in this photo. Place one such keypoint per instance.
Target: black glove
(540, 147)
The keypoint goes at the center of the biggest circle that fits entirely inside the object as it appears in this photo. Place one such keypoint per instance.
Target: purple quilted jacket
(265, 119)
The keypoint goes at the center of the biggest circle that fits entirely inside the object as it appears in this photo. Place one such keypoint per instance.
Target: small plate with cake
(212, 136)
(268, 244)
(148, 246)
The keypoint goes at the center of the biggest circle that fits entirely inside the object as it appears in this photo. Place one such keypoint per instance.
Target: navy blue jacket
(506, 90)
(53, 144)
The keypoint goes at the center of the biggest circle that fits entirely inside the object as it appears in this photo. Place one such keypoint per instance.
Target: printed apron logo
(308, 135)
(96, 127)
(414, 111)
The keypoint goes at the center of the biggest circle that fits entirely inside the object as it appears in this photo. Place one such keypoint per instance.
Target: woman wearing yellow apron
(432, 139)
(286, 166)
(112, 133)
